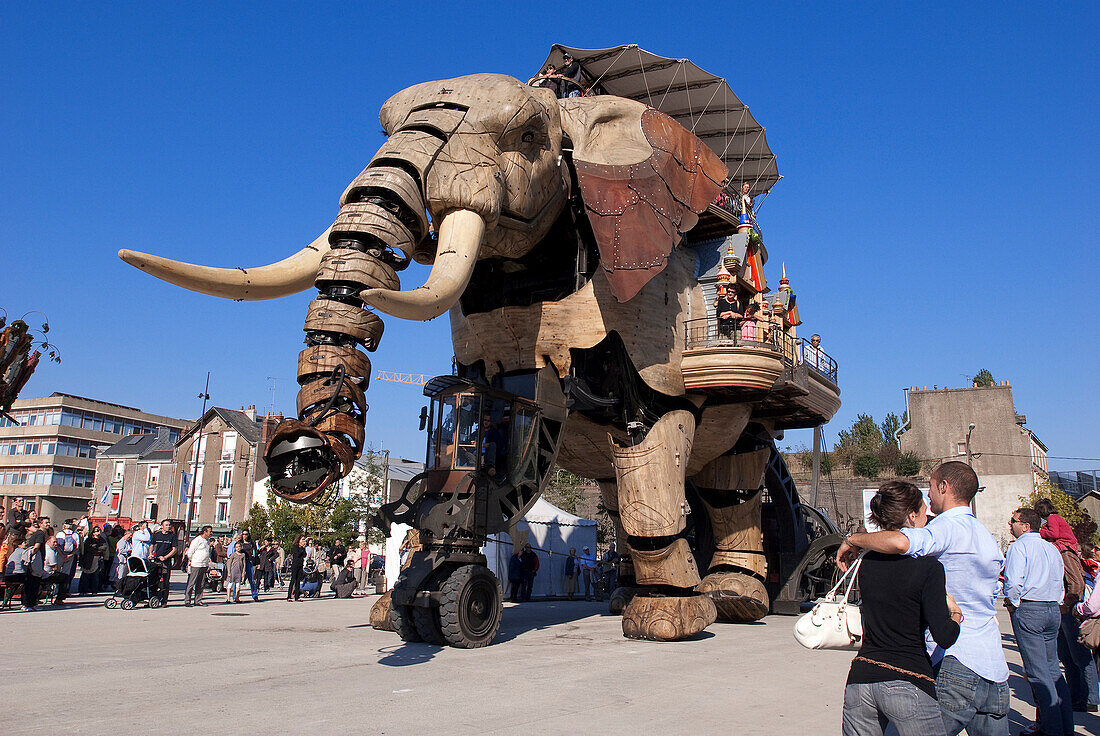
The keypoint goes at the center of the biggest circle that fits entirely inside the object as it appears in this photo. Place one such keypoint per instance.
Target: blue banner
(185, 486)
(106, 495)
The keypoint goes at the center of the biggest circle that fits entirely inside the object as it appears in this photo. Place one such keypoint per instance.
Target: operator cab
(472, 427)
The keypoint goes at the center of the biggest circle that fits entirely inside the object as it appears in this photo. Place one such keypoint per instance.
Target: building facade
(48, 453)
(226, 461)
(978, 425)
(128, 477)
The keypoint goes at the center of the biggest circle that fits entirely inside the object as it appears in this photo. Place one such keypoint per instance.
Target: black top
(162, 543)
(37, 537)
(248, 550)
(902, 596)
(297, 557)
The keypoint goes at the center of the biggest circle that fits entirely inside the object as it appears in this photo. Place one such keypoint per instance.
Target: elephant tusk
(288, 276)
(459, 240)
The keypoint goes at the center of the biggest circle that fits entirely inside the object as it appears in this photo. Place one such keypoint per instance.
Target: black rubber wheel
(427, 624)
(471, 607)
(155, 602)
(127, 604)
(402, 616)
(111, 603)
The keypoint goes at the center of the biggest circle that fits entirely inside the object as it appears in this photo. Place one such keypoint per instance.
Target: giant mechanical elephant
(552, 228)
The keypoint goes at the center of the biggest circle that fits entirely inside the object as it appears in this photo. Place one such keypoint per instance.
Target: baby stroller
(139, 584)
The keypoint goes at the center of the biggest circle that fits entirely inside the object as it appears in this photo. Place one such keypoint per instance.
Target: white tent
(551, 532)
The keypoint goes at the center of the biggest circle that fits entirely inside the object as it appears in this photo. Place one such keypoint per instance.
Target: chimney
(250, 412)
(270, 422)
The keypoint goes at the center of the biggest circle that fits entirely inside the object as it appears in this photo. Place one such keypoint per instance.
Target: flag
(106, 495)
(185, 486)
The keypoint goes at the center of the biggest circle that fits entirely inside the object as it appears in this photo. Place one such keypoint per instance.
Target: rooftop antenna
(274, 381)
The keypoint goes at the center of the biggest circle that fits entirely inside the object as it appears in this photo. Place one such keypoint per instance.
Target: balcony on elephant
(789, 381)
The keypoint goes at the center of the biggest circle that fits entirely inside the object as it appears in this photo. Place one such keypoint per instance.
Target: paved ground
(317, 667)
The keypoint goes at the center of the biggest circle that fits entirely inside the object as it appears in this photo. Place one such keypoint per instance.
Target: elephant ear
(644, 179)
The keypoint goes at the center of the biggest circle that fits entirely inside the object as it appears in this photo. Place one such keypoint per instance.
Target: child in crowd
(234, 575)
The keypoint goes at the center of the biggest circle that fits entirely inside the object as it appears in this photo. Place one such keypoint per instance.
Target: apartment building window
(198, 449)
(225, 481)
(120, 470)
(229, 445)
(148, 508)
(221, 515)
(154, 476)
(116, 499)
(960, 448)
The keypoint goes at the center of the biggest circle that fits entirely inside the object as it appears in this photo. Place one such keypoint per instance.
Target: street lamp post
(205, 396)
(969, 455)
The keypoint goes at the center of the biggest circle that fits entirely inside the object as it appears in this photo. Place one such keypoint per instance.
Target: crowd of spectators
(945, 575)
(43, 564)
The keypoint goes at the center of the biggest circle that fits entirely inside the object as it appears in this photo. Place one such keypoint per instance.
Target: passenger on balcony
(547, 79)
(812, 355)
(571, 70)
(748, 216)
(727, 310)
(748, 324)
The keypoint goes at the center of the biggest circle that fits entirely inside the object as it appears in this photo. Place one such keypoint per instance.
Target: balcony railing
(709, 332)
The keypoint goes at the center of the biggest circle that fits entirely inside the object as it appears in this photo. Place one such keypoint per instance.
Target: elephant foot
(619, 598)
(739, 598)
(380, 613)
(667, 618)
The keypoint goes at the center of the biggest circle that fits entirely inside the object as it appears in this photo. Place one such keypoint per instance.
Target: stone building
(48, 453)
(227, 463)
(128, 477)
(979, 425)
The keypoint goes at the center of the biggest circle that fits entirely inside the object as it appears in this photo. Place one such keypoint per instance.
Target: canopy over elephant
(552, 228)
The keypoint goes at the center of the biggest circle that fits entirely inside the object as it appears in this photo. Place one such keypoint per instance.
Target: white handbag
(834, 622)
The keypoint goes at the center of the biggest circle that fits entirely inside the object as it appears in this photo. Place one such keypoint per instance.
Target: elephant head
(479, 160)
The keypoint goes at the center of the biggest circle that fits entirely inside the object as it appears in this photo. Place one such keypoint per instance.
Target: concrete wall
(1000, 447)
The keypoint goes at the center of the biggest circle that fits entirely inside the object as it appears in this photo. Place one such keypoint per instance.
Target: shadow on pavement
(405, 654)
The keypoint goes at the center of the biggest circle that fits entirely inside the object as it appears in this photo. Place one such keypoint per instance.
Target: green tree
(907, 465)
(566, 490)
(258, 523)
(806, 460)
(890, 426)
(864, 437)
(867, 466)
(982, 378)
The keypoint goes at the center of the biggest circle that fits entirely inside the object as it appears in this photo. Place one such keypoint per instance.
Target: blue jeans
(250, 576)
(968, 700)
(1036, 627)
(870, 707)
(1080, 668)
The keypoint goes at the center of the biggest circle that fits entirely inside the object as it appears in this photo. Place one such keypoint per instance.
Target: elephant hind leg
(650, 477)
(735, 579)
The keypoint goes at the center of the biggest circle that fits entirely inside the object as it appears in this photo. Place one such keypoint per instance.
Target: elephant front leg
(735, 579)
(652, 503)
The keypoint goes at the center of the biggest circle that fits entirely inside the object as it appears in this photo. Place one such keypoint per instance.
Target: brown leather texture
(639, 212)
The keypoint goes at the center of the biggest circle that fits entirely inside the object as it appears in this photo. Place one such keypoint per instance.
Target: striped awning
(697, 99)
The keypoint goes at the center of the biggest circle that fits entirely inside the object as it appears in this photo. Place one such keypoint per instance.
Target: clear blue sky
(938, 213)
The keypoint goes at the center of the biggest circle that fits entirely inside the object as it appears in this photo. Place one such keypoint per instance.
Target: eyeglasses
(1015, 521)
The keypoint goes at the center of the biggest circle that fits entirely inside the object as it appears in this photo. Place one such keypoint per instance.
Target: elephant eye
(527, 137)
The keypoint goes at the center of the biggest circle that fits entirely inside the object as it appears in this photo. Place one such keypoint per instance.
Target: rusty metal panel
(638, 212)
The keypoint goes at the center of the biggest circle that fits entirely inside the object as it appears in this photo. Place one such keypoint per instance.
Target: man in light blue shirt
(588, 569)
(972, 675)
(1033, 590)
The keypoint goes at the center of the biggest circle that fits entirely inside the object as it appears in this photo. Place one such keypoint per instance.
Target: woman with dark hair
(891, 678)
(297, 561)
(1055, 529)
